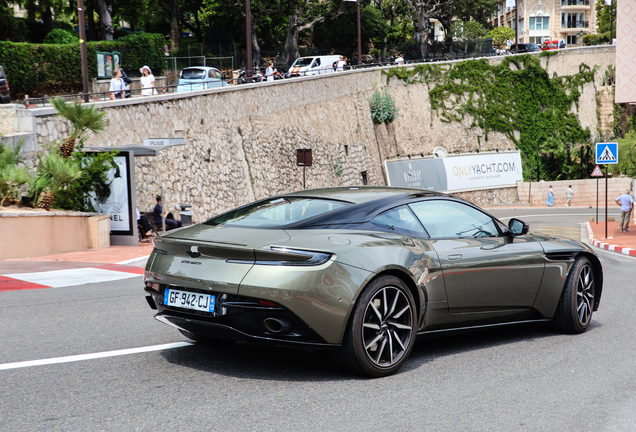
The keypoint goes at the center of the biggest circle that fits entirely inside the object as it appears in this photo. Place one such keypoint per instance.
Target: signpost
(606, 154)
(303, 159)
(597, 173)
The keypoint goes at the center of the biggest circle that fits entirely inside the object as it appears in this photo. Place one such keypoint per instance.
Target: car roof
(359, 194)
(200, 67)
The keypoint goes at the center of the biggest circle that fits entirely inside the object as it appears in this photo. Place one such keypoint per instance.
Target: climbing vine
(519, 99)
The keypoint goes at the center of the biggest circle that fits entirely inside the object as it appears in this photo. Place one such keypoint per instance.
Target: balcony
(575, 25)
(565, 3)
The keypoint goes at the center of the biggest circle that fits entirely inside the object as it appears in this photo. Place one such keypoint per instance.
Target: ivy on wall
(519, 99)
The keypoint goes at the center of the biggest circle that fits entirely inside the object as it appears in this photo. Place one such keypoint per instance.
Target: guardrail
(242, 79)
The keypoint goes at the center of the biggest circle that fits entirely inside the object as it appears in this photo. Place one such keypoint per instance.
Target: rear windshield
(532, 46)
(305, 61)
(193, 74)
(277, 212)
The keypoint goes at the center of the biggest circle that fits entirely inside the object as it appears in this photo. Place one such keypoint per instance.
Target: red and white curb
(608, 246)
(70, 277)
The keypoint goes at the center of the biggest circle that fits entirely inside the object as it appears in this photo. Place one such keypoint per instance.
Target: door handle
(455, 257)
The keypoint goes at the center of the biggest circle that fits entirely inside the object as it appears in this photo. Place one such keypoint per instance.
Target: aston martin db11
(363, 272)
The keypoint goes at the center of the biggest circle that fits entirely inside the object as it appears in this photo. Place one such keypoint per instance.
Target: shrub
(59, 36)
(383, 108)
(34, 69)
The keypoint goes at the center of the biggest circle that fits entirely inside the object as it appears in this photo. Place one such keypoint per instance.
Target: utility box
(186, 214)
(303, 157)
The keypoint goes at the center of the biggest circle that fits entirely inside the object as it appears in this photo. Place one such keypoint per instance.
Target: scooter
(257, 76)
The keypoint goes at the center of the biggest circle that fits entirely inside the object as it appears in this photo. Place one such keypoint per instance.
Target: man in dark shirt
(171, 223)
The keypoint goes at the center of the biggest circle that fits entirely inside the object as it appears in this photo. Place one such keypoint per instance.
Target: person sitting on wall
(171, 223)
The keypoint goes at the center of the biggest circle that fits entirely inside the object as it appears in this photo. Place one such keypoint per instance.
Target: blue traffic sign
(606, 153)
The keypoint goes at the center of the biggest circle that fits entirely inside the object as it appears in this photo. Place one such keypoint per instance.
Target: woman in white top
(117, 84)
(147, 82)
(269, 73)
(341, 64)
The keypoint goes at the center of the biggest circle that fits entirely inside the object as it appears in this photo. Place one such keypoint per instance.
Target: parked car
(525, 48)
(199, 78)
(5, 91)
(364, 271)
(550, 45)
(314, 65)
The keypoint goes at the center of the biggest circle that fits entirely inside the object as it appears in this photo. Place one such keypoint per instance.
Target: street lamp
(248, 41)
(359, 35)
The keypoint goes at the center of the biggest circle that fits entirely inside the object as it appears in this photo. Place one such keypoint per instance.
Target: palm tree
(55, 172)
(83, 118)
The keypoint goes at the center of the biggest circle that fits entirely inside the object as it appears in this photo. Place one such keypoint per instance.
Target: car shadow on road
(261, 362)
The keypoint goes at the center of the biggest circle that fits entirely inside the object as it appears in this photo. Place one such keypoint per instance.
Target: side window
(317, 62)
(450, 219)
(398, 218)
(211, 74)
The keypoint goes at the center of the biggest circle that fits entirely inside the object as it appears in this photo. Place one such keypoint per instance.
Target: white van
(314, 65)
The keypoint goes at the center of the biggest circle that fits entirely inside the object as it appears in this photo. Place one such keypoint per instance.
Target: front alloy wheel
(574, 312)
(382, 329)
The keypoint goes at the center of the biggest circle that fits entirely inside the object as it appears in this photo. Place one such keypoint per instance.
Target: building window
(572, 40)
(346, 150)
(539, 23)
(365, 180)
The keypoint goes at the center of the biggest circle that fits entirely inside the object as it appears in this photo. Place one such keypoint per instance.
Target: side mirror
(517, 227)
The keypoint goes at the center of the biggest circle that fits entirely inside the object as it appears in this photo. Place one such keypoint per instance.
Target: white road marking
(72, 277)
(81, 357)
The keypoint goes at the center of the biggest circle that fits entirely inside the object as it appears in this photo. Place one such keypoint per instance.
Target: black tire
(381, 331)
(574, 312)
(207, 340)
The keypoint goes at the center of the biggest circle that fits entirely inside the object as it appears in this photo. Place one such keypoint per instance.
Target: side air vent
(560, 256)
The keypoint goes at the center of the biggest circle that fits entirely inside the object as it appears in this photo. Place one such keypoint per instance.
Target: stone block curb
(608, 246)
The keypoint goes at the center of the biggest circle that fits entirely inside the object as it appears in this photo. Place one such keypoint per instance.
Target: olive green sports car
(364, 271)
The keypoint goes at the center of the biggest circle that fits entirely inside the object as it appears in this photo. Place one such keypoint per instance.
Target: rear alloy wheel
(574, 312)
(382, 329)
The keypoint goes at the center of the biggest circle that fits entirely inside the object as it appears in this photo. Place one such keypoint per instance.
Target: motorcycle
(257, 76)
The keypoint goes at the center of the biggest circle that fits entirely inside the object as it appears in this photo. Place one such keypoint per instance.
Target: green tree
(605, 13)
(82, 119)
(500, 35)
(466, 31)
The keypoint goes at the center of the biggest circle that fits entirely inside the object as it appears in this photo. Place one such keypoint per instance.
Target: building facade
(541, 20)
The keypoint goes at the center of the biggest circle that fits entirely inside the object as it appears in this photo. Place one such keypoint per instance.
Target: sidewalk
(74, 268)
(616, 241)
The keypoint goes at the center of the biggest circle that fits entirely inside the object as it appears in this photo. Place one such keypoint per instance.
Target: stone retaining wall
(241, 141)
(584, 191)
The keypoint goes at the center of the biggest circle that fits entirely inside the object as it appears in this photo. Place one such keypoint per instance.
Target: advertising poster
(455, 173)
(118, 204)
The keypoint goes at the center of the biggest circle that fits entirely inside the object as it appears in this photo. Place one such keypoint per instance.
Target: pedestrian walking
(550, 197)
(568, 195)
(269, 72)
(117, 85)
(147, 82)
(341, 64)
(127, 82)
(399, 60)
(627, 206)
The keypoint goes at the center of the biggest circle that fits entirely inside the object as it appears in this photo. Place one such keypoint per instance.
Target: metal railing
(176, 64)
(575, 24)
(257, 77)
(575, 2)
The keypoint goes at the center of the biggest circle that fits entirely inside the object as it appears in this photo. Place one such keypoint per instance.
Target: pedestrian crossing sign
(606, 153)
(597, 172)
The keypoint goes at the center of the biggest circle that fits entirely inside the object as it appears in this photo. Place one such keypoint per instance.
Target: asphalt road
(523, 378)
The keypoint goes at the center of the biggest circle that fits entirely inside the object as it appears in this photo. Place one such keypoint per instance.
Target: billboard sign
(455, 173)
(118, 204)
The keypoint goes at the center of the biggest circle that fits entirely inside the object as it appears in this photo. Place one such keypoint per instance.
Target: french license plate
(189, 300)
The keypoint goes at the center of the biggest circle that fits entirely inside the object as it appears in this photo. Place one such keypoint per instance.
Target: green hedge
(37, 70)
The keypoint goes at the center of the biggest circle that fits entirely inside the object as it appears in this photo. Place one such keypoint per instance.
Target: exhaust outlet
(277, 325)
